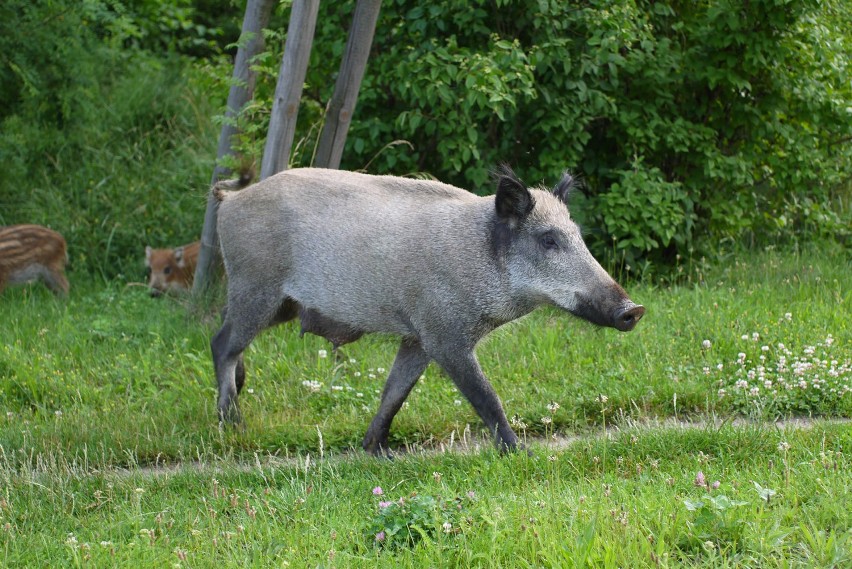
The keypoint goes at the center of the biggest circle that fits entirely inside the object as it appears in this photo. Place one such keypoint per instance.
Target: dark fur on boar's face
(350, 254)
(172, 270)
(31, 252)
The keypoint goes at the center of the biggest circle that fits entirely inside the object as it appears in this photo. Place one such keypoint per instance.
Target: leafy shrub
(691, 123)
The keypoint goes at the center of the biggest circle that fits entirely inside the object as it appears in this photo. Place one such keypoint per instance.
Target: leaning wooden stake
(342, 104)
(255, 20)
(288, 91)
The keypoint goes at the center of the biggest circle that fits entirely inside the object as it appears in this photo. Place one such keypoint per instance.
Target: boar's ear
(513, 200)
(566, 185)
(181, 262)
(148, 255)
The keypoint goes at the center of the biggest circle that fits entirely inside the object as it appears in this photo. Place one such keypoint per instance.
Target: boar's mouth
(623, 316)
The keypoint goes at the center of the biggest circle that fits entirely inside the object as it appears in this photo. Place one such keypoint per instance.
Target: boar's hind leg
(410, 362)
(239, 328)
(464, 370)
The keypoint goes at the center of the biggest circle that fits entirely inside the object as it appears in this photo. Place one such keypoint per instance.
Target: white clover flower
(788, 316)
(754, 391)
(706, 344)
(783, 446)
(553, 406)
(380, 370)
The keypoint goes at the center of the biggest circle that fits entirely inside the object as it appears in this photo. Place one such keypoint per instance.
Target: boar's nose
(628, 316)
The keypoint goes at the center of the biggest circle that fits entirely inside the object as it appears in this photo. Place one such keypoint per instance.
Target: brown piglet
(31, 252)
(172, 270)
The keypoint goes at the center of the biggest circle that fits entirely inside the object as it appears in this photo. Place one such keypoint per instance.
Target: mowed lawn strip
(719, 496)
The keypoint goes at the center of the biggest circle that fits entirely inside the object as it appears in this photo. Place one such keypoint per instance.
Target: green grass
(110, 391)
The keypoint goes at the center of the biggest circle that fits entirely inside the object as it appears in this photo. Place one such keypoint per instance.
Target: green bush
(690, 122)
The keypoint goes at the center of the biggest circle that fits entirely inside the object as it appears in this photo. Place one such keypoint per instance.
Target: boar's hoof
(376, 448)
(626, 319)
(230, 416)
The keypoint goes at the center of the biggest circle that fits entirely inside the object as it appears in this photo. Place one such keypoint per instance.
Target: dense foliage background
(692, 123)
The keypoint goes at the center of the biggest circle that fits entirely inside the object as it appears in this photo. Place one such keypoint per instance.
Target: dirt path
(466, 443)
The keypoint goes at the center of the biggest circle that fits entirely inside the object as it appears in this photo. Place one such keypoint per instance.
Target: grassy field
(110, 452)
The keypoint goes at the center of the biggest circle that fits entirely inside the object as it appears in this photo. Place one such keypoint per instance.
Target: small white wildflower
(744, 337)
(553, 406)
(322, 353)
(720, 366)
(352, 360)
(764, 348)
(706, 344)
(754, 391)
(783, 446)
(250, 391)
(357, 374)
(58, 413)
(359, 394)
(371, 376)
(380, 370)
(788, 316)
(457, 402)
(722, 393)
(448, 527)
(337, 388)
(602, 398)
(546, 420)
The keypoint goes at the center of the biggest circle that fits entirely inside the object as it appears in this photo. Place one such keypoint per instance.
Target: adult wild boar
(351, 254)
(31, 252)
(172, 270)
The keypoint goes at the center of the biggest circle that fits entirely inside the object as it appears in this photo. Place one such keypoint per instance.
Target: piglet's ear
(513, 201)
(181, 262)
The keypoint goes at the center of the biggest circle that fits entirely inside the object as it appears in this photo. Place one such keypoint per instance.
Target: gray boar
(350, 254)
(30, 253)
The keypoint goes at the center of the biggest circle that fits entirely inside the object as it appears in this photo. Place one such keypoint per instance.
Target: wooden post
(255, 20)
(342, 104)
(288, 91)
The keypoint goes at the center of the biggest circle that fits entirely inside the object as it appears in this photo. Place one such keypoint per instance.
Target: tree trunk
(256, 19)
(288, 91)
(342, 104)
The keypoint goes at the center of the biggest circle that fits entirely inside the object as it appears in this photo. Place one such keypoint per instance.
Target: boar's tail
(222, 188)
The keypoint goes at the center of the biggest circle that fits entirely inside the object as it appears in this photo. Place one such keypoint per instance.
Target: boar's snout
(627, 317)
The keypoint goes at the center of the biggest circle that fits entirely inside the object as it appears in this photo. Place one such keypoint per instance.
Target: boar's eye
(548, 241)
(167, 270)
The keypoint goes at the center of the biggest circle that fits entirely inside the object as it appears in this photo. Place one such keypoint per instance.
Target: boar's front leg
(409, 364)
(463, 368)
